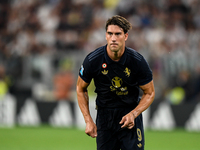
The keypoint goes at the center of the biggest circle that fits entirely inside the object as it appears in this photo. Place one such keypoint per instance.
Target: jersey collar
(109, 60)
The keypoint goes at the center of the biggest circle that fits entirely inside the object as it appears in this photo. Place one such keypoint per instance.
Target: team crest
(127, 72)
(117, 82)
(117, 86)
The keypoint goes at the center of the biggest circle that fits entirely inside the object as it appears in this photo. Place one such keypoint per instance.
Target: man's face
(115, 38)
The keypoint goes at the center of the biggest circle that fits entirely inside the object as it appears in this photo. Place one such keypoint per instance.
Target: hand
(91, 129)
(128, 121)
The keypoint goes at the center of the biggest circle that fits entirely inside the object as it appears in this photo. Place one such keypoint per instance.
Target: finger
(130, 126)
(89, 133)
(92, 136)
(125, 124)
(95, 134)
(122, 121)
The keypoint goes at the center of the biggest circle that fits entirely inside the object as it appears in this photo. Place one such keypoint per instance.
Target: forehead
(114, 28)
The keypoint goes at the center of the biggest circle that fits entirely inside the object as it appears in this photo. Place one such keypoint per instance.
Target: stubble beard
(115, 49)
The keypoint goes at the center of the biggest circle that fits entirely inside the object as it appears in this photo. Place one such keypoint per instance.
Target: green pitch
(48, 138)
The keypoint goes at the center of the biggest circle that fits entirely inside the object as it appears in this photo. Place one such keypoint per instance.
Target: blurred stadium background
(43, 43)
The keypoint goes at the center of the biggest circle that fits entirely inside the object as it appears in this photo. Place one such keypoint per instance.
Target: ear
(126, 36)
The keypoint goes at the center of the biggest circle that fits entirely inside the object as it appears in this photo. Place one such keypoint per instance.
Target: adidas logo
(62, 116)
(29, 114)
(139, 145)
(163, 118)
(193, 123)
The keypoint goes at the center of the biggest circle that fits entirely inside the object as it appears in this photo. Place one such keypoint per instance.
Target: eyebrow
(114, 32)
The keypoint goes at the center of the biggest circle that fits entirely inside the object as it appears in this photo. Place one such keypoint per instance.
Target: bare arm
(83, 101)
(145, 102)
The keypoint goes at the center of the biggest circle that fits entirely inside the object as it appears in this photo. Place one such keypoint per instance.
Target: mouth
(113, 44)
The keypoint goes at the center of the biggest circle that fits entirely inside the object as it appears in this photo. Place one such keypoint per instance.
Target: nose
(113, 38)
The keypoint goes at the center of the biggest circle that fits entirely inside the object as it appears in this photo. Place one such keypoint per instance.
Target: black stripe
(95, 54)
(134, 54)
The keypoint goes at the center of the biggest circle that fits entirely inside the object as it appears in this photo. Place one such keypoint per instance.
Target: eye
(118, 34)
(109, 33)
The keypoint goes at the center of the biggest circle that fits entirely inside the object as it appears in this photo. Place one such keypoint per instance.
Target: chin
(114, 50)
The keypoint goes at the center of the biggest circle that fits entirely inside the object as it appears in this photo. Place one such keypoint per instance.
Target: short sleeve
(144, 72)
(85, 71)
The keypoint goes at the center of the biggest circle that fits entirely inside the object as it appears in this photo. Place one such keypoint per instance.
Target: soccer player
(118, 73)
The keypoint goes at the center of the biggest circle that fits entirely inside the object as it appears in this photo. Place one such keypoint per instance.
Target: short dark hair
(119, 21)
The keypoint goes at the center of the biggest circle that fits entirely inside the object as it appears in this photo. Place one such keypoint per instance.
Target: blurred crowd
(165, 32)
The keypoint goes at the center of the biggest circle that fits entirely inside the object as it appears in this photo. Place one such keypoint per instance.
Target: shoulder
(134, 54)
(96, 54)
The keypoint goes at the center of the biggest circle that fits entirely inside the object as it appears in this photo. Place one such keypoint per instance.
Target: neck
(115, 56)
